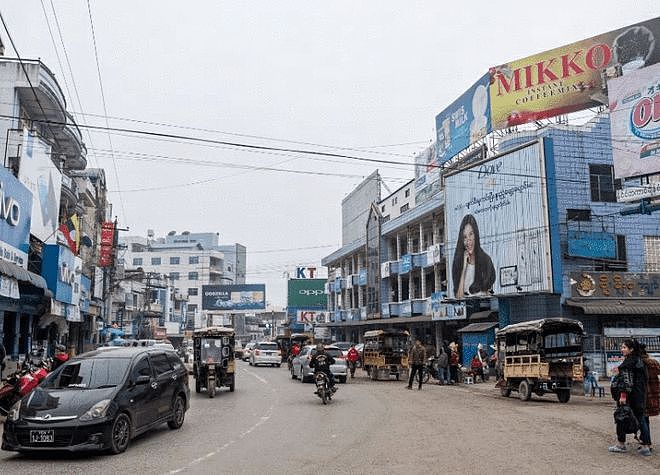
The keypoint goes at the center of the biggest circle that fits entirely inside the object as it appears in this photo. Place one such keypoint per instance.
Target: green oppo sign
(307, 293)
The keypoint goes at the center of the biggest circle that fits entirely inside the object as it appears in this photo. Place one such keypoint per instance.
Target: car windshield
(343, 346)
(268, 346)
(212, 349)
(92, 373)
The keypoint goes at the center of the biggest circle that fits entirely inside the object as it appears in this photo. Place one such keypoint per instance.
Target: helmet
(60, 347)
(319, 347)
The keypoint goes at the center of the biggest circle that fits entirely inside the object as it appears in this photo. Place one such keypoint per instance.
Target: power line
(105, 109)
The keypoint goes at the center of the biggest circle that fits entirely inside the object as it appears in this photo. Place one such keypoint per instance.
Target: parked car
(238, 350)
(344, 346)
(266, 352)
(300, 365)
(247, 351)
(99, 401)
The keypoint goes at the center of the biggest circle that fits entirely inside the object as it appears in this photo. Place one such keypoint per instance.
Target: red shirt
(295, 350)
(353, 355)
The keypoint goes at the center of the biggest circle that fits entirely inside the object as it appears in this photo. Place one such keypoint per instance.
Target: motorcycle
(22, 382)
(430, 370)
(323, 389)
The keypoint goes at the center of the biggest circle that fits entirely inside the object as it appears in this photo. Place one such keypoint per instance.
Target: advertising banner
(464, 122)
(446, 310)
(62, 271)
(38, 172)
(107, 243)
(635, 122)
(15, 211)
(237, 298)
(427, 175)
(615, 284)
(311, 317)
(568, 78)
(307, 293)
(498, 238)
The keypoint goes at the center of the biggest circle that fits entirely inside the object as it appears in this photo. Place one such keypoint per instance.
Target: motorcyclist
(321, 361)
(352, 357)
(60, 357)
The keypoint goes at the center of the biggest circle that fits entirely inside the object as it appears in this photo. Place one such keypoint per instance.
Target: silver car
(247, 351)
(300, 365)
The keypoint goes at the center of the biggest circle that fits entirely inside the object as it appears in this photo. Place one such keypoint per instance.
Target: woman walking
(631, 382)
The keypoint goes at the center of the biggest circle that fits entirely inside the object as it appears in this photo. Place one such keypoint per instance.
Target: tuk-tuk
(213, 359)
(286, 342)
(540, 356)
(384, 353)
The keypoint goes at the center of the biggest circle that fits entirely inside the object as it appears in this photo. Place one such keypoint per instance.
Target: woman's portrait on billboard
(473, 273)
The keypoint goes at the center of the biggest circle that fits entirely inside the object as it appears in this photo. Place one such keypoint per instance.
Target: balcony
(46, 102)
(421, 306)
(70, 144)
(69, 191)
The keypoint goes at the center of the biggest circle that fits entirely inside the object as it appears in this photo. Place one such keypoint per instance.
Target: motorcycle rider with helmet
(60, 357)
(321, 362)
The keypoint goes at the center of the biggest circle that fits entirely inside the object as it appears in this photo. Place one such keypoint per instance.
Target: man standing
(352, 356)
(443, 366)
(416, 359)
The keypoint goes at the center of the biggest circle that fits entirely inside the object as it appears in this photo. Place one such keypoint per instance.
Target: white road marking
(261, 420)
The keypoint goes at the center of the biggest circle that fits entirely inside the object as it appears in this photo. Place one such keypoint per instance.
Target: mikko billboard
(498, 237)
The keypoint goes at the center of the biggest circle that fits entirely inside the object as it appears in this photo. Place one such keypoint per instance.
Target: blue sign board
(15, 217)
(85, 292)
(406, 264)
(592, 245)
(233, 298)
(59, 271)
(362, 276)
(464, 122)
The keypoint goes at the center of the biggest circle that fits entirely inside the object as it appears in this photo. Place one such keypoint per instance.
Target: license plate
(42, 436)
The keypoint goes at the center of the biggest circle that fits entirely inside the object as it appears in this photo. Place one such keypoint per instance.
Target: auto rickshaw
(384, 353)
(540, 356)
(213, 359)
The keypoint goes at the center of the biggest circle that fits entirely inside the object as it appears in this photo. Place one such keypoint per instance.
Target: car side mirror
(142, 380)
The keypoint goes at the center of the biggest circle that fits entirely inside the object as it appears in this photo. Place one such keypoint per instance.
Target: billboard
(307, 293)
(427, 175)
(568, 78)
(635, 122)
(498, 238)
(234, 298)
(311, 317)
(464, 122)
(38, 172)
(15, 212)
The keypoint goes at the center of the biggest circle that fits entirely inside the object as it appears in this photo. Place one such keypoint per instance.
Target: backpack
(625, 419)
(617, 387)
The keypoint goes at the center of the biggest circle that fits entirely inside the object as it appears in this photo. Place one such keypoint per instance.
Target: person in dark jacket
(652, 407)
(321, 361)
(3, 355)
(416, 359)
(443, 366)
(632, 382)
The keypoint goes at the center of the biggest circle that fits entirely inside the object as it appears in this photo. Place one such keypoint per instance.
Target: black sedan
(100, 401)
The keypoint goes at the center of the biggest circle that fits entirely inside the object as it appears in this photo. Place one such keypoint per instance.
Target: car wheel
(120, 434)
(564, 395)
(505, 392)
(178, 413)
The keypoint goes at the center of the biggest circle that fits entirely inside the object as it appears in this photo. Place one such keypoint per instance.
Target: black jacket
(321, 362)
(632, 380)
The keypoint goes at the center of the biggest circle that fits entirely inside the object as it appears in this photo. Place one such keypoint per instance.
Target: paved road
(274, 424)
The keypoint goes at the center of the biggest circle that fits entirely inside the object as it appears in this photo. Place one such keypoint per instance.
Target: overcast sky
(361, 78)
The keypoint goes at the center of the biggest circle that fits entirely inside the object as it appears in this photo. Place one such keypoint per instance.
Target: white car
(247, 351)
(266, 352)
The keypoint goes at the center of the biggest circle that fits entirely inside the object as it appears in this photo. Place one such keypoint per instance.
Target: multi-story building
(548, 220)
(189, 260)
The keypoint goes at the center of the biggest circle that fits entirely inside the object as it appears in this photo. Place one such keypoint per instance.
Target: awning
(477, 327)
(483, 315)
(12, 270)
(649, 306)
(378, 321)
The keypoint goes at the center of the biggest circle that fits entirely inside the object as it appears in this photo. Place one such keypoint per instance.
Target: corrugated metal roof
(477, 327)
(648, 306)
(17, 272)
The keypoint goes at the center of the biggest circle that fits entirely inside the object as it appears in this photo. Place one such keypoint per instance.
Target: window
(174, 276)
(193, 276)
(382, 209)
(137, 261)
(161, 364)
(193, 260)
(405, 208)
(175, 260)
(192, 307)
(601, 180)
(141, 368)
(193, 291)
(652, 253)
(407, 192)
(395, 200)
(228, 268)
(578, 215)
(620, 262)
(155, 261)
(386, 218)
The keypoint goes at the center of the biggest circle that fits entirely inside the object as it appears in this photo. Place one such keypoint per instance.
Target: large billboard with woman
(498, 237)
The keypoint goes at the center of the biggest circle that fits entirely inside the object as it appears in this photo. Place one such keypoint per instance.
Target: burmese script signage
(614, 284)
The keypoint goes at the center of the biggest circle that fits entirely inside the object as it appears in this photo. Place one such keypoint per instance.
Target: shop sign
(15, 209)
(362, 276)
(9, 287)
(614, 284)
(406, 264)
(62, 271)
(107, 244)
(309, 317)
(446, 310)
(591, 245)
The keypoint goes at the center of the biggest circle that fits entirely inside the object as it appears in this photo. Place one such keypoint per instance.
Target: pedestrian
(630, 389)
(352, 357)
(416, 357)
(453, 362)
(588, 382)
(443, 366)
(3, 354)
(652, 406)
